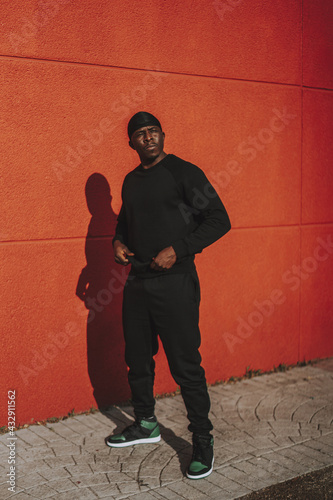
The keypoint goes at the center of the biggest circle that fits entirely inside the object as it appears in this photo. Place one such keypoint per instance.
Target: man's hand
(164, 260)
(121, 252)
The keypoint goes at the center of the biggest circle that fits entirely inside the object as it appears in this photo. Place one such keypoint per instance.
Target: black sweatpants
(166, 306)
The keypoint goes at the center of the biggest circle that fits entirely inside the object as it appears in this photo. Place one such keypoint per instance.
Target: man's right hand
(121, 252)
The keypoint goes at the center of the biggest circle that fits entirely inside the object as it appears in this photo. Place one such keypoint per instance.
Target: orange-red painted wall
(244, 90)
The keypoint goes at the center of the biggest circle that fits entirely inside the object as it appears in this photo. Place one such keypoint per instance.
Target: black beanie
(141, 119)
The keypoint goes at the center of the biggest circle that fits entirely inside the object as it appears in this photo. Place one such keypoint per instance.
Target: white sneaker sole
(201, 475)
(136, 441)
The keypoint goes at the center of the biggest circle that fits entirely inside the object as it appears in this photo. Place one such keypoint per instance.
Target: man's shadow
(100, 286)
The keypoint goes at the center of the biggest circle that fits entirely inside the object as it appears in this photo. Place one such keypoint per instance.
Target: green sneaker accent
(140, 432)
(148, 424)
(196, 467)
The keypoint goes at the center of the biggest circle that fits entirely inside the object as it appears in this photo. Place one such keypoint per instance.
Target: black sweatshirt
(169, 204)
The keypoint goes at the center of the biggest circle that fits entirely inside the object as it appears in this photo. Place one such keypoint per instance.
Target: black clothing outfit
(169, 204)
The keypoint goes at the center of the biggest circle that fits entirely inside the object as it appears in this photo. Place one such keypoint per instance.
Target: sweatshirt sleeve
(202, 202)
(121, 228)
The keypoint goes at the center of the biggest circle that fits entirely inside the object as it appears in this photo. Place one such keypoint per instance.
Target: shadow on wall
(100, 286)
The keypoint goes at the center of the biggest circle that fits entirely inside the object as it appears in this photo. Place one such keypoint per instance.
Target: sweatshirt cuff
(180, 248)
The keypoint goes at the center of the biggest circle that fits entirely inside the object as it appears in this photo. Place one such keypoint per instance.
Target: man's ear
(131, 145)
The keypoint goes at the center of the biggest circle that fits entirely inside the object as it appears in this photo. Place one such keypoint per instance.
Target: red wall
(244, 90)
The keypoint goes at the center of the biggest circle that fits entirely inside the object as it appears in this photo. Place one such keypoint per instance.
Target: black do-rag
(141, 119)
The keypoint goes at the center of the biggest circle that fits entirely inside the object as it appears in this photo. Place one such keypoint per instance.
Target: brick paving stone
(159, 457)
(208, 488)
(260, 443)
(55, 473)
(299, 439)
(235, 436)
(105, 490)
(285, 429)
(239, 448)
(309, 463)
(43, 491)
(65, 449)
(240, 477)
(36, 466)
(285, 462)
(89, 480)
(309, 430)
(273, 468)
(143, 496)
(45, 433)
(95, 424)
(325, 431)
(307, 410)
(78, 494)
(323, 447)
(223, 455)
(39, 452)
(62, 430)
(169, 474)
(167, 494)
(186, 490)
(85, 458)
(100, 444)
(118, 477)
(83, 419)
(255, 471)
(150, 482)
(110, 461)
(30, 480)
(78, 470)
(324, 416)
(62, 485)
(22, 496)
(282, 442)
(129, 487)
(247, 405)
(226, 484)
(287, 407)
(232, 417)
(60, 461)
(77, 426)
(30, 437)
(317, 455)
(105, 467)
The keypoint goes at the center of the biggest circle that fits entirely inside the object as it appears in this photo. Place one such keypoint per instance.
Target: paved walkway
(267, 429)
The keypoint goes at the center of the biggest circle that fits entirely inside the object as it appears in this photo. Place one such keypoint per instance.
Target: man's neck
(154, 162)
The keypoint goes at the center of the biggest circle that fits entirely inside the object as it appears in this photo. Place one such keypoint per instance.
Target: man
(170, 212)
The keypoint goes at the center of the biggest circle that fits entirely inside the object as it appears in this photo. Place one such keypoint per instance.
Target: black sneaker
(203, 457)
(144, 430)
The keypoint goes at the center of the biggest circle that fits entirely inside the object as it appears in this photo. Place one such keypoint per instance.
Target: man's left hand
(164, 260)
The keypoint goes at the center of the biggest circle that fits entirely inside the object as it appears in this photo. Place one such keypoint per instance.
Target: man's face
(148, 142)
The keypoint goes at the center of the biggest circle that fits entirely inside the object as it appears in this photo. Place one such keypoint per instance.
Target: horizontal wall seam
(124, 68)
(240, 228)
